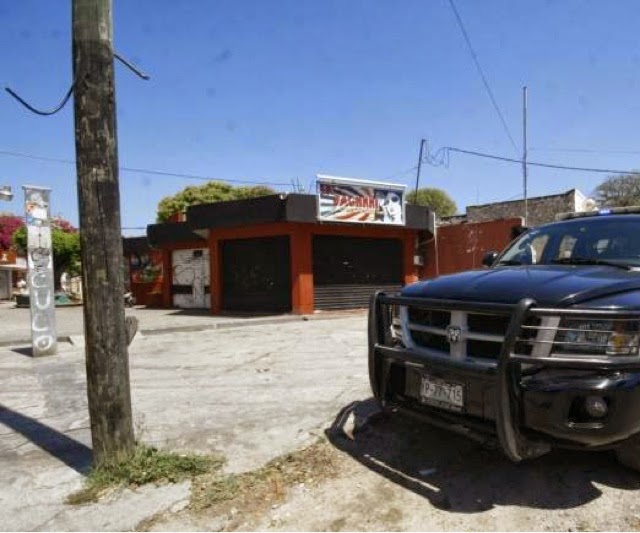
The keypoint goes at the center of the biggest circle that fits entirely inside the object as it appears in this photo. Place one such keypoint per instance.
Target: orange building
(272, 254)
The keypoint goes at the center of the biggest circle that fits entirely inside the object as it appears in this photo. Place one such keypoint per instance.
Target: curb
(22, 342)
(211, 327)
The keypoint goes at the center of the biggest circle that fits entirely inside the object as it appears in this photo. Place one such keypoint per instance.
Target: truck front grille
(430, 340)
(455, 333)
(492, 324)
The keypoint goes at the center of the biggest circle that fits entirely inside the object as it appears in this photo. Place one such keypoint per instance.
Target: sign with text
(360, 201)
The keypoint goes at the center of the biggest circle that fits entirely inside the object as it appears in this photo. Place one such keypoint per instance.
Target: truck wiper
(589, 261)
(510, 262)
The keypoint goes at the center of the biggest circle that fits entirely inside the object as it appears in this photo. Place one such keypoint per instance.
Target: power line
(403, 172)
(540, 164)
(136, 170)
(36, 157)
(586, 151)
(139, 170)
(474, 56)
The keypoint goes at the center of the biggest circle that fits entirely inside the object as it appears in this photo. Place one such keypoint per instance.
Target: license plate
(440, 393)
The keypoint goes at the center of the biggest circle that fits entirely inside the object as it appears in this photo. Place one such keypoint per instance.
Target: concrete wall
(462, 246)
(541, 209)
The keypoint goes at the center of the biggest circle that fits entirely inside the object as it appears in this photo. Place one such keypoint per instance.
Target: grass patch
(146, 465)
(268, 484)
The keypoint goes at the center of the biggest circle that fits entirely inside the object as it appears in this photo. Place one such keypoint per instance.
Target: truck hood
(549, 285)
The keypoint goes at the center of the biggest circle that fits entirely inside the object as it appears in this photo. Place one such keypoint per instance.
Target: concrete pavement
(250, 394)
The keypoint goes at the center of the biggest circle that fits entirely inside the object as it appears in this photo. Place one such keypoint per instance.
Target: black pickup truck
(537, 350)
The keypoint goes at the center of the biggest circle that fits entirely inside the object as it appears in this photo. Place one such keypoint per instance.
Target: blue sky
(277, 90)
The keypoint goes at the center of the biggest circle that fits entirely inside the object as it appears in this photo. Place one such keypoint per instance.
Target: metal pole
(422, 142)
(524, 154)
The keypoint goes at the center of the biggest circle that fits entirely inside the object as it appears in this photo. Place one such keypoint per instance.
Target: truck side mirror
(489, 258)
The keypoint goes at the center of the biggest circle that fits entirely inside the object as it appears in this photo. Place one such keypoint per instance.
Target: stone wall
(541, 209)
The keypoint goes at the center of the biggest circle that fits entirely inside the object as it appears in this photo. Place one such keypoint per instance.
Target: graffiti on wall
(40, 277)
(191, 278)
(146, 267)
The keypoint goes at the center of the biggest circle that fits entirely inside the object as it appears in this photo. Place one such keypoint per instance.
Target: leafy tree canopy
(210, 192)
(435, 199)
(622, 190)
(65, 241)
(9, 223)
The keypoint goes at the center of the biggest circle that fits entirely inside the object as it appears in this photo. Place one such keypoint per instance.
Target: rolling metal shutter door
(348, 270)
(256, 275)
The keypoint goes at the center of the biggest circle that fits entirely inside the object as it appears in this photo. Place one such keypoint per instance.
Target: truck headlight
(598, 337)
(623, 344)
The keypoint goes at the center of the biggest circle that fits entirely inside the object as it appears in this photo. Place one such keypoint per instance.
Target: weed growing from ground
(146, 465)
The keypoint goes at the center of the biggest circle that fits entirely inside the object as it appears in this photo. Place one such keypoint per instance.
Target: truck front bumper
(529, 404)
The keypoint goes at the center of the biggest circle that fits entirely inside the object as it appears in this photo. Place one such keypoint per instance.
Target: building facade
(12, 268)
(272, 254)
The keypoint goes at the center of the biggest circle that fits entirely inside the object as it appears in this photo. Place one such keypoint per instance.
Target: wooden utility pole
(107, 359)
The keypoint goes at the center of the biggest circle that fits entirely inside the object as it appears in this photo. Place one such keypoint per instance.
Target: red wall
(462, 246)
(302, 300)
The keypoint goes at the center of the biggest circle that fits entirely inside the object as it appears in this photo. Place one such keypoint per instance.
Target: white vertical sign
(40, 263)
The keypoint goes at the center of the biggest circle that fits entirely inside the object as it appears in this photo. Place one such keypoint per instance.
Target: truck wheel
(629, 455)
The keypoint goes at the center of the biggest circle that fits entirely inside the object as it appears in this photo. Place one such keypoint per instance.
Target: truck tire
(629, 455)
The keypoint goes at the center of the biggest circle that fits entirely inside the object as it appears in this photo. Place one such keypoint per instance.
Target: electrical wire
(403, 172)
(474, 56)
(539, 163)
(586, 151)
(43, 113)
(135, 170)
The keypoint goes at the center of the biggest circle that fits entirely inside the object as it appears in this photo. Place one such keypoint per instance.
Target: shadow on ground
(462, 476)
(27, 351)
(71, 452)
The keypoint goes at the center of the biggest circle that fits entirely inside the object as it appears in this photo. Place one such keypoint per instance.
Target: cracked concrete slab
(250, 394)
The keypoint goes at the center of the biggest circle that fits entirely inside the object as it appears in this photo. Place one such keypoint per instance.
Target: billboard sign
(360, 201)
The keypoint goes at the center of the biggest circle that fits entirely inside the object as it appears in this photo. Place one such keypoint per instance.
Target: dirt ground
(398, 475)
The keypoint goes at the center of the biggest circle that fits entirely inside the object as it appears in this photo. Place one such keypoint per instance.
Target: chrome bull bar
(506, 370)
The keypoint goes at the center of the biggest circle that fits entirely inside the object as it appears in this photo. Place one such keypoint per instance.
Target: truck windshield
(613, 241)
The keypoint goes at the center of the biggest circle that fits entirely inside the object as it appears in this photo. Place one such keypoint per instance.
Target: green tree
(210, 192)
(435, 199)
(622, 190)
(65, 241)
